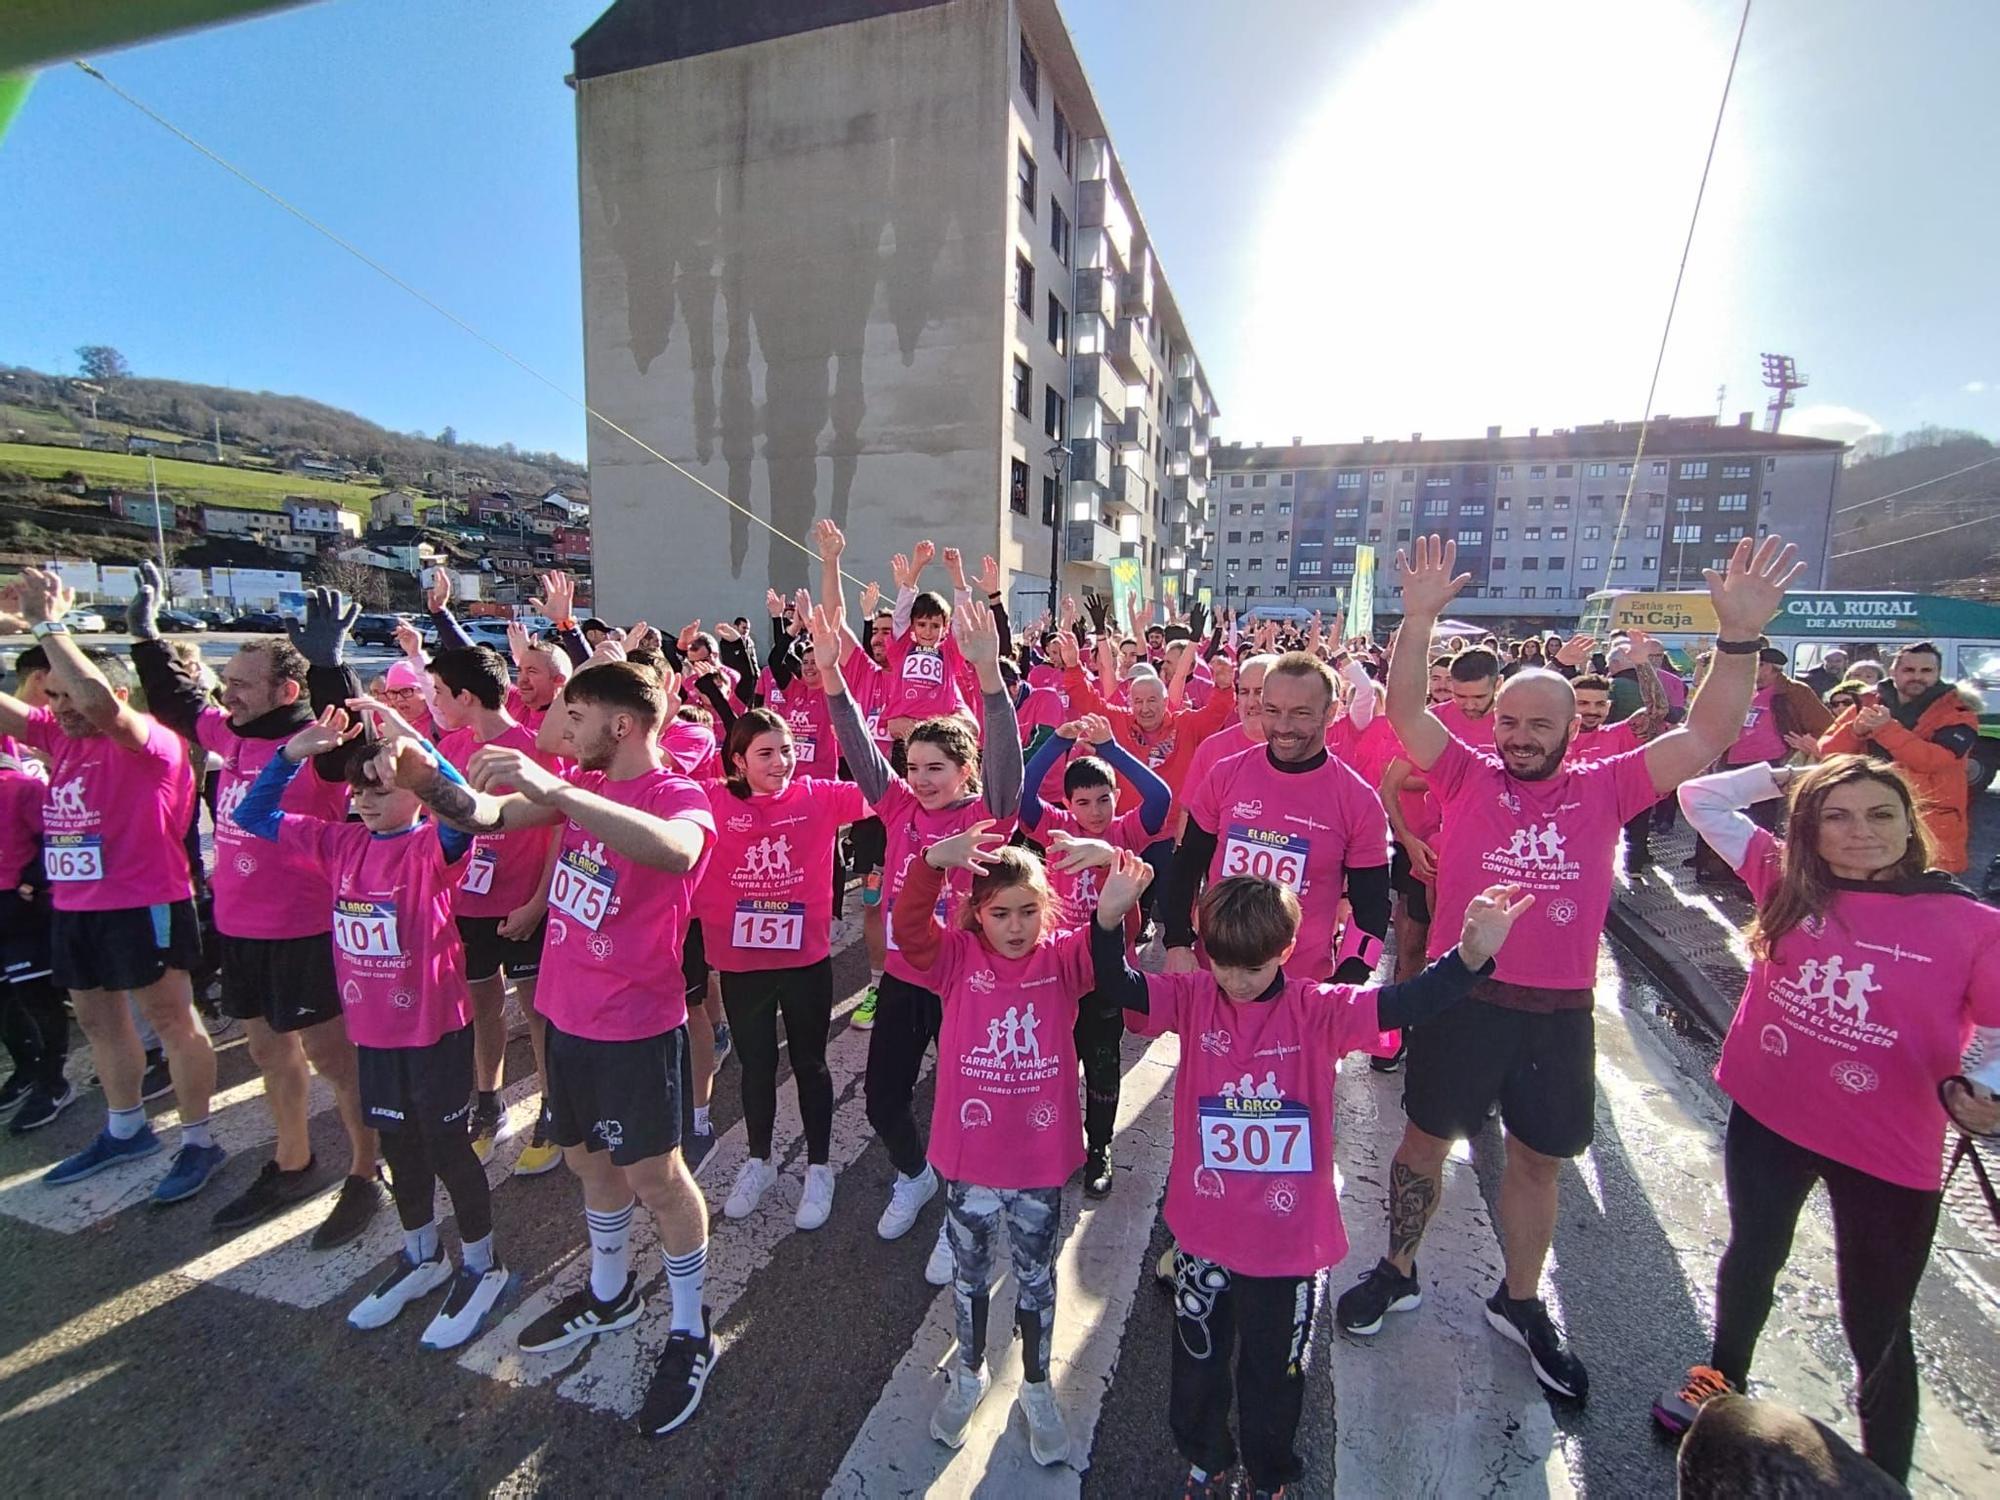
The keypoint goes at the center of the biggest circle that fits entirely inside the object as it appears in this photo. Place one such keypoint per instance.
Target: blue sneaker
(104, 1152)
(193, 1166)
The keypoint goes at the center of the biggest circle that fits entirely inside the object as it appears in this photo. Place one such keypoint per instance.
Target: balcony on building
(1127, 488)
(1098, 380)
(1135, 287)
(1091, 462)
(1132, 431)
(1099, 207)
(1127, 350)
(1091, 545)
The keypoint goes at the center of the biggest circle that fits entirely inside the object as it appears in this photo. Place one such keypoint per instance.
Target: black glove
(141, 622)
(323, 637)
(1197, 619)
(1098, 606)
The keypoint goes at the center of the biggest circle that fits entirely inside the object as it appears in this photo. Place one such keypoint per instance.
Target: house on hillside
(139, 508)
(301, 545)
(392, 508)
(556, 503)
(572, 545)
(393, 558)
(236, 520)
(318, 466)
(490, 506)
(315, 517)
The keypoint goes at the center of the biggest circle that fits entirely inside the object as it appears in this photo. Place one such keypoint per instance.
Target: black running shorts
(694, 964)
(1540, 1065)
(417, 1088)
(126, 949)
(1403, 881)
(287, 983)
(24, 936)
(487, 953)
(621, 1097)
(869, 842)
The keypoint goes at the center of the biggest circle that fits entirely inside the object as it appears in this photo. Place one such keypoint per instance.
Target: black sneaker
(158, 1082)
(677, 1384)
(1097, 1178)
(581, 1316)
(1526, 1321)
(14, 1092)
(271, 1190)
(1382, 1291)
(43, 1104)
(1226, 1485)
(353, 1211)
(1390, 1064)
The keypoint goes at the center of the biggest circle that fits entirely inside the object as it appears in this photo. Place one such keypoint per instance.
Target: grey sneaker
(967, 1388)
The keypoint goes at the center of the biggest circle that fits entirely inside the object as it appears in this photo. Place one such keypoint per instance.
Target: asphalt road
(139, 1350)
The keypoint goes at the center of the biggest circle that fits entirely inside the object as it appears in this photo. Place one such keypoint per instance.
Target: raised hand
(920, 558)
(518, 643)
(1804, 744)
(329, 731)
(1142, 618)
(1872, 717)
(774, 604)
(971, 850)
(383, 722)
(1751, 589)
(1575, 651)
(1070, 613)
(494, 766)
(1095, 729)
(1489, 917)
(682, 641)
(978, 635)
(954, 567)
(323, 637)
(901, 572)
(44, 596)
(1125, 881)
(824, 628)
(1062, 651)
(1069, 853)
(871, 596)
(141, 622)
(802, 603)
(410, 639)
(829, 539)
(989, 576)
(437, 590)
(558, 599)
(408, 764)
(1424, 575)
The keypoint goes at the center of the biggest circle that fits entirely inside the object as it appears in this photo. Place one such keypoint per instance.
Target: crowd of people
(1279, 842)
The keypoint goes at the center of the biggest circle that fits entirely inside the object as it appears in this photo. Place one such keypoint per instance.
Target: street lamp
(1058, 455)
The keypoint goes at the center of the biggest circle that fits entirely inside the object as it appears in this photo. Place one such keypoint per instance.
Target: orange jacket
(1937, 772)
(1166, 750)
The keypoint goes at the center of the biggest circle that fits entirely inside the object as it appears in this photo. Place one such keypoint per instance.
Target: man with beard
(1526, 1035)
(274, 908)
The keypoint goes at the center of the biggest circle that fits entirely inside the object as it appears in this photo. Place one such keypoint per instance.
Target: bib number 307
(1277, 1138)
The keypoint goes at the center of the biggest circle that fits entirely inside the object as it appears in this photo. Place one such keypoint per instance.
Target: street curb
(1693, 994)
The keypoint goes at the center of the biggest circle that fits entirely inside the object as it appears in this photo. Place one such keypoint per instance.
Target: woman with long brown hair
(1869, 974)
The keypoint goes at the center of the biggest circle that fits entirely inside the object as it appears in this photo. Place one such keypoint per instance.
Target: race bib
(478, 877)
(941, 910)
(1272, 856)
(73, 858)
(581, 888)
(805, 747)
(770, 925)
(925, 668)
(1255, 1135)
(366, 929)
(877, 730)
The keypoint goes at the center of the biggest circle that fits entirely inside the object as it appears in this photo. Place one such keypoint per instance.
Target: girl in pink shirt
(1005, 1132)
(401, 969)
(1870, 973)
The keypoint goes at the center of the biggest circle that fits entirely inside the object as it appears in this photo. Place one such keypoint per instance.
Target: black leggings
(35, 1028)
(1097, 1041)
(753, 1001)
(1882, 1237)
(906, 1023)
(417, 1159)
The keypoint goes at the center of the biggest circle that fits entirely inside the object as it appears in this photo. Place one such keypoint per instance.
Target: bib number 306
(1234, 1140)
(1280, 857)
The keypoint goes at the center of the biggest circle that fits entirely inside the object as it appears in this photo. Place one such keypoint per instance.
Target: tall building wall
(795, 253)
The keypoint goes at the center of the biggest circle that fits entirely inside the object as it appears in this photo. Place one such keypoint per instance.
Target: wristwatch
(47, 628)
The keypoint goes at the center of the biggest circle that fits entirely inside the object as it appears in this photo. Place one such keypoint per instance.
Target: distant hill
(263, 429)
(1902, 498)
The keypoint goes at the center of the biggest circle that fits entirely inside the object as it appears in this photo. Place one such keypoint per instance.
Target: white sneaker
(752, 1179)
(1048, 1439)
(938, 1270)
(967, 1388)
(906, 1200)
(471, 1298)
(399, 1289)
(817, 1201)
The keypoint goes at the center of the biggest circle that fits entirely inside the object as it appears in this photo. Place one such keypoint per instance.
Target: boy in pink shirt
(1251, 1194)
(926, 669)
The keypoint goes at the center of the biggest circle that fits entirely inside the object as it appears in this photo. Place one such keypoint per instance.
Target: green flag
(13, 94)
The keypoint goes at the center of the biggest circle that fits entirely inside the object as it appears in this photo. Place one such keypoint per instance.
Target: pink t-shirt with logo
(1555, 838)
(265, 890)
(868, 684)
(1604, 742)
(1006, 1113)
(611, 960)
(1760, 739)
(1043, 707)
(766, 899)
(803, 708)
(1422, 811)
(22, 794)
(396, 951)
(1076, 891)
(1251, 1186)
(503, 871)
(1217, 747)
(1299, 828)
(114, 819)
(908, 830)
(924, 682)
(1845, 1031)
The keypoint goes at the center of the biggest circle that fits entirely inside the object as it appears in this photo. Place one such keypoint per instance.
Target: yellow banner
(1664, 614)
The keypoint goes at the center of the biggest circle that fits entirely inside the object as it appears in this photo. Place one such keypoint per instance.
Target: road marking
(1098, 1271)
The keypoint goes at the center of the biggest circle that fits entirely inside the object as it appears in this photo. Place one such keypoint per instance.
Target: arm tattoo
(1412, 1200)
(458, 806)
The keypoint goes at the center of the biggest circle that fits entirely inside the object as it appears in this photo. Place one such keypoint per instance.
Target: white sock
(610, 1250)
(420, 1245)
(478, 1254)
(195, 1133)
(701, 1125)
(126, 1123)
(685, 1275)
(874, 978)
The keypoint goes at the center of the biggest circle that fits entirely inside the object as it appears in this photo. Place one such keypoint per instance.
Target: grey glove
(323, 637)
(141, 622)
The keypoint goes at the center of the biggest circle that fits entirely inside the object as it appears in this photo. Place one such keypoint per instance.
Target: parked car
(376, 630)
(259, 622)
(181, 621)
(487, 633)
(213, 619)
(85, 620)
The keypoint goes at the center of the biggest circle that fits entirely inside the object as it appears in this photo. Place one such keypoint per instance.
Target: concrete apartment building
(873, 259)
(1541, 520)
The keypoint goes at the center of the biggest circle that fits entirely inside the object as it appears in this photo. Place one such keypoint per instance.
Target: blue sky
(1378, 217)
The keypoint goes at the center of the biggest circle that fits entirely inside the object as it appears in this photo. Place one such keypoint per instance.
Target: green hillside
(200, 483)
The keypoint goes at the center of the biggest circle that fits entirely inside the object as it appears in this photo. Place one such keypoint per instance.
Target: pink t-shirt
(1251, 1186)
(114, 819)
(21, 796)
(1076, 891)
(803, 708)
(1299, 828)
(1554, 838)
(1844, 1033)
(868, 684)
(766, 900)
(1217, 747)
(925, 683)
(1422, 811)
(396, 951)
(1760, 739)
(1043, 707)
(1604, 742)
(1006, 1113)
(504, 870)
(265, 890)
(908, 830)
(692, 749)
(611, 962)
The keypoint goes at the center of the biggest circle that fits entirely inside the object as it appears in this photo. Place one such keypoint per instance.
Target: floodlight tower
(1781, 378)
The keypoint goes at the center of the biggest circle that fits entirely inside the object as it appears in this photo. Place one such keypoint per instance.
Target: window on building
(1236, 481)
(1472, 539)
(1347, 479)
(1064, 145)
(1591, 533)
(1257, 481)
(1017, 487)
(1686, 503)
(1531, 564)
(1053, 407)
(1558, 533)
(1378, 477)
(1031, 78)
(1058, 326)
(1534, 502)
(1586, 564)
(1594, 471)
(1284, 507)
(1557, 564)
(1436, 481)
(1655, 499)
(1498, 565)
(1652, 532)
(1059, 236)
(1624, 471)
(1499, 533)
(1659, 468)
(1024, 284)
(1505, 502)
(1620, 532)
(1688, 533)
(1235, 537)
(1023, 388)
(1472, 508)
(1736, 471)
(1770, 466)
(1236, 509)
(1565, 471)
(1506, 471)
(1024, 175)
(1404, 507)
(1532, 534)
(1596, 502)
(1403, 534)
(1539, 471)
(1285, 480)
(1256, 564)
(1284, 537)
(1648, 564)
(1436, 507)
(1256, 537)
(1048, 499)
(1256, 507)
(1408, 475)
(1732, 502)
(1694, 468)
